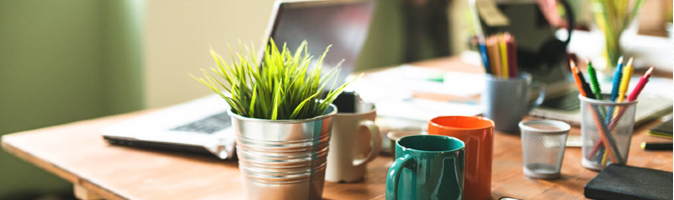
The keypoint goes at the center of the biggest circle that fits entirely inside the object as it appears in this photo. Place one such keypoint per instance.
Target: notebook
(663, 130)
(630, 183)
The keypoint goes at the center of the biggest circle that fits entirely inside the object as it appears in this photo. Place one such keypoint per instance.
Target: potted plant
(282, 125)
(615, 21)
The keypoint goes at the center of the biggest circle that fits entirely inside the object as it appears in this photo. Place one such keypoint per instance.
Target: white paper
(424, 110)
(408, 78)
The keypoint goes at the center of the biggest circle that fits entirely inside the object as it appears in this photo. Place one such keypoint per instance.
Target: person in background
(426, 24)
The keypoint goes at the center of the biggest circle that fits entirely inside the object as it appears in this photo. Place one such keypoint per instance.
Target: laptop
(203, 126)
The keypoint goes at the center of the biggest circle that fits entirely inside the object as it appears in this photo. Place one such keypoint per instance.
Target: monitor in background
(342, 24)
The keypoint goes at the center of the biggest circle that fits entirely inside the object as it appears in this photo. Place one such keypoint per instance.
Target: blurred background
(69, 60)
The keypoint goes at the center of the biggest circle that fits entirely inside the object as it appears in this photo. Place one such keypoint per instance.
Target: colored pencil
(499, 55)
(504, 55)
(574, 73)
(485, 57)
(617, 77)
(625, 82)
(594, 82)
(496, 57)
(633, 96)
(585, 86)
(618, 91)
(597, 120)
(512, 55)
(640, 85)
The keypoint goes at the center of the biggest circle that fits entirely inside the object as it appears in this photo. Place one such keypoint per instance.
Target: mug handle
(375, 143)
(541, 94)
(394, 175)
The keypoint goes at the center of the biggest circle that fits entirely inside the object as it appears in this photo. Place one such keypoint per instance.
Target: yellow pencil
(504, 56)
(625, 82)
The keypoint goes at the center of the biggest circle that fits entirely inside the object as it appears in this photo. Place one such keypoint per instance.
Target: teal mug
(427, 167)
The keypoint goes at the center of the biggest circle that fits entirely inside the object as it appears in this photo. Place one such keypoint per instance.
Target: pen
(656, 145)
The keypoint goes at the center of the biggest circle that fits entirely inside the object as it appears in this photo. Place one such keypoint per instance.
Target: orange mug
(478, 135)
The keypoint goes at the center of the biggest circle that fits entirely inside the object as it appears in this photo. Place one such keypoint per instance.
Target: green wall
(123, 55)
(63, 61)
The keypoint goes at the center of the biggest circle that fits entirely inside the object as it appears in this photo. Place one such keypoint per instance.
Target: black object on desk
(656, 145)
(662, 130)
(348, 102)
(630, 183)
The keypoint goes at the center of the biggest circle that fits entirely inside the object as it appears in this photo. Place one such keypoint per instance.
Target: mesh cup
(543, 144)
(606, 121)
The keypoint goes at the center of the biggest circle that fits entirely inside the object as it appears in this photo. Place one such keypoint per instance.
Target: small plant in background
(285, 87)
(613, 18)
(670, 12)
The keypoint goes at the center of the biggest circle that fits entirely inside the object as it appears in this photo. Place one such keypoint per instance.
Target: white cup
(351, 147)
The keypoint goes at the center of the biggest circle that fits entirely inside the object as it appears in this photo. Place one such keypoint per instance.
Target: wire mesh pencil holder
(606, 131)
(543, 145)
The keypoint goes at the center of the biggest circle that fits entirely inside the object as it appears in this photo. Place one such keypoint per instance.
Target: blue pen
(485, 59)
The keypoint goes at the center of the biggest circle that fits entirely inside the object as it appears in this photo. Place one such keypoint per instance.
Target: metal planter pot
(283, 159)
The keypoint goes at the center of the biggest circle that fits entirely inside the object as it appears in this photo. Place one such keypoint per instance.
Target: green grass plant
(613, 17)
(285, 87)
(670, 12)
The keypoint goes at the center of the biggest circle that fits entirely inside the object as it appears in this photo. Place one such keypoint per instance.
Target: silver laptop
(203, 125)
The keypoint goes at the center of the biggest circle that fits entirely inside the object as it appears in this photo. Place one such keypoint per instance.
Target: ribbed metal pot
(283, 159)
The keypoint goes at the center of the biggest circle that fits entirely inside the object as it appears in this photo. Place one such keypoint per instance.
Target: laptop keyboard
(208, 125)
(568, 102)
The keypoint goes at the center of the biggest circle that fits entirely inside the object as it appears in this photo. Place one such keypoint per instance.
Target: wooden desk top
(78, 153)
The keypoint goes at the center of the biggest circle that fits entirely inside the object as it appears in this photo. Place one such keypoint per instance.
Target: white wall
(177, 38)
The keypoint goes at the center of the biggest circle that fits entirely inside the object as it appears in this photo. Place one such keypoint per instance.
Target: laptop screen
(344, 25)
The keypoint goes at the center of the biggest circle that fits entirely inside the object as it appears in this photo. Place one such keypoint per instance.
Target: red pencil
(512, 55)
(640, 85)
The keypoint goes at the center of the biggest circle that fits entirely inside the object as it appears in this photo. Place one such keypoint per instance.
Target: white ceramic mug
(350, 150)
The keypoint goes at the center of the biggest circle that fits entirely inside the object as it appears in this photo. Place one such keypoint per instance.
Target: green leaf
(282, 86)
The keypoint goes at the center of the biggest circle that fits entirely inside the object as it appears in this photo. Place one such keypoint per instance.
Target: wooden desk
(78, 153)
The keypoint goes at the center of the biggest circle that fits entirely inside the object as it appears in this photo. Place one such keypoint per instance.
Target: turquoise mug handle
(394, 175)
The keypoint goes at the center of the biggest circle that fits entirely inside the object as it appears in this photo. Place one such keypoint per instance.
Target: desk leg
(84, 194)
